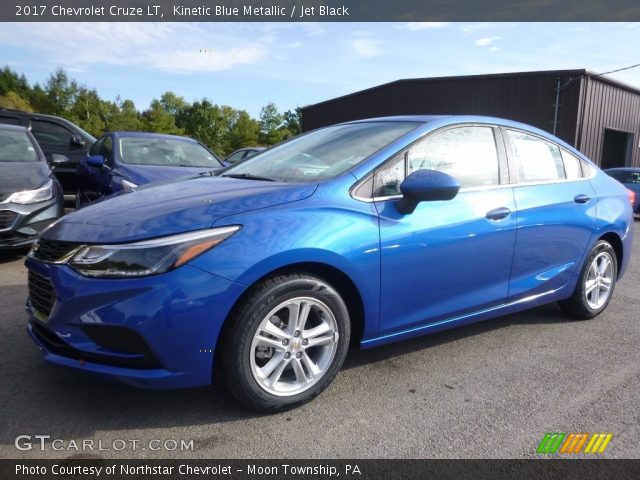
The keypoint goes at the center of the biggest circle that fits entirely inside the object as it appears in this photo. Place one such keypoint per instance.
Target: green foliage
(222, 128)
(13, 100)
(157, 119)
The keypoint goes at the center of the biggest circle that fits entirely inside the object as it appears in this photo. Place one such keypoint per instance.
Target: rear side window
(572, 166)
(51, 133)
(536, 159)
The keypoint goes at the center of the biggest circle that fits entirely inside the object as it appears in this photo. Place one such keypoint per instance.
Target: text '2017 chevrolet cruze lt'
(361, 233)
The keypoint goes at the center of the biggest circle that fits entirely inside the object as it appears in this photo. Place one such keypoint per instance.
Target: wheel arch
(616, 242)
(329, 273)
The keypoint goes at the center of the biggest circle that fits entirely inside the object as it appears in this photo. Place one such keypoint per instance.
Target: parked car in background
(383, 229)
(242, 154)
(56, 136)
(30, 196)
(630, 178)
(124, 160)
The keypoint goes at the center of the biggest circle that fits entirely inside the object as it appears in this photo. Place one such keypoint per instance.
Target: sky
(246, 65)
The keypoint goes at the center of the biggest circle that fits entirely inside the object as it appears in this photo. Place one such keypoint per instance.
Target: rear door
(556, 209)
(447, 257)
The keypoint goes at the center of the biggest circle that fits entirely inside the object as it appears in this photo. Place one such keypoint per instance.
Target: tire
(594, 290)
(268, 362)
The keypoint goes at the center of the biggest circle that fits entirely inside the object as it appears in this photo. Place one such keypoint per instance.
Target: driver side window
(468, 154)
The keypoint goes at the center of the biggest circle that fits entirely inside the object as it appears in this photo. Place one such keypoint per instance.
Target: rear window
(16, 147)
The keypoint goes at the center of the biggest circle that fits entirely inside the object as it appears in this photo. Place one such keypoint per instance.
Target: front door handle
(498, 213)
(582, 198)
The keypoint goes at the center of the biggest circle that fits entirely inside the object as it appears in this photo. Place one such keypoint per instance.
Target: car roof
(152, 135)
(623, 169)
(17, 128)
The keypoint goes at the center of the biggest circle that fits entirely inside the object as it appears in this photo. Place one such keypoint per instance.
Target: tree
(244, 131)
(173, 104)
(293, 121)
(60, 92)
(87, 111)
(157, 119)
(122, 115)
(12, 100)
(271, 125)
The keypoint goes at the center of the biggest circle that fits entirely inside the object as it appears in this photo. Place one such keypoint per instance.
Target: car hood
(18, 176)
(142, 174)
(172, 208)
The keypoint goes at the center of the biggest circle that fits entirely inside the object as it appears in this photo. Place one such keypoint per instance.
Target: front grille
(52, 250)
(7, 218)
(41, 293)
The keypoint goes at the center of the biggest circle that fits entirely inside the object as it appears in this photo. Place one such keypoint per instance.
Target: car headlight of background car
(45, 192)
(147, 257)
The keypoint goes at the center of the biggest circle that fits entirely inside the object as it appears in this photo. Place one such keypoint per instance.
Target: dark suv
(55, 136)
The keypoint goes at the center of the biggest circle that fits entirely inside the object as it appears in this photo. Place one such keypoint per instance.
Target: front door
(447, 258)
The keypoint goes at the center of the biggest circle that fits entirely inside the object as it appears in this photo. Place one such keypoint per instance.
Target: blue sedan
(630, 178)
(359, 234)
(121, 161)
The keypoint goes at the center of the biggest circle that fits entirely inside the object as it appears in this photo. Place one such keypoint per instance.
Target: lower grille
(7, 218)
(41, 293)
(56, 345)
(52, 250)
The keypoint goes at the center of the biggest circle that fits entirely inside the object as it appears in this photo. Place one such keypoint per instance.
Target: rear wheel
(286, 342)
(596, 284)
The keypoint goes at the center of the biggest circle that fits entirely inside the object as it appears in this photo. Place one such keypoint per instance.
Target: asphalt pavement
(489, 390)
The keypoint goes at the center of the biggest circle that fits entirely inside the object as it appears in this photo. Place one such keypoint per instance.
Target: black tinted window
(10, 120)
(50, 133)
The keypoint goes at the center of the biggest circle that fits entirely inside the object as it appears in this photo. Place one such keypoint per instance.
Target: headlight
(128, 186)
(41, 194)
(147, 257)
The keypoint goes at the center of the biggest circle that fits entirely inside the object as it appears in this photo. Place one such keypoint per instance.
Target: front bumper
(21, 224)
(154, 332)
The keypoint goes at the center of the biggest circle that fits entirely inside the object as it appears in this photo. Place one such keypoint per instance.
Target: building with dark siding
(597, 115)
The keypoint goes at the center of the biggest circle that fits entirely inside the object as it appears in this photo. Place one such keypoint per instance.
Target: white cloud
(423, 25)
(486, 41)
(167, 47)
(366, 48)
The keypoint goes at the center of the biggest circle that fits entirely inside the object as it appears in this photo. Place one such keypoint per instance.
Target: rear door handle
(498, 213)
(582, 198)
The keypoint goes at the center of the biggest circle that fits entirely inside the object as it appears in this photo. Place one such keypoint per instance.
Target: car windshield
(15, 146)
(166, 152)
(321, 154)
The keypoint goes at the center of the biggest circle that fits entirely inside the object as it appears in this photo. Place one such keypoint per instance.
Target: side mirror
(58, 160)
(96, 161)
(77, 141)
(426, 186)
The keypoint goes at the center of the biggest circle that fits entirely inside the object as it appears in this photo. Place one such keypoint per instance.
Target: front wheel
(595, 285)
(286, 343)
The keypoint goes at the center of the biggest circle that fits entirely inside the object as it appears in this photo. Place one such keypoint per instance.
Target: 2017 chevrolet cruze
(362, 233)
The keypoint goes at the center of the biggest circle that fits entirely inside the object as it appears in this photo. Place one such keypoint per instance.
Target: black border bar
(318, 10)
(84, 469)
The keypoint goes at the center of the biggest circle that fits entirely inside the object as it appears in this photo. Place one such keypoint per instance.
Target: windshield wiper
(249, 176)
